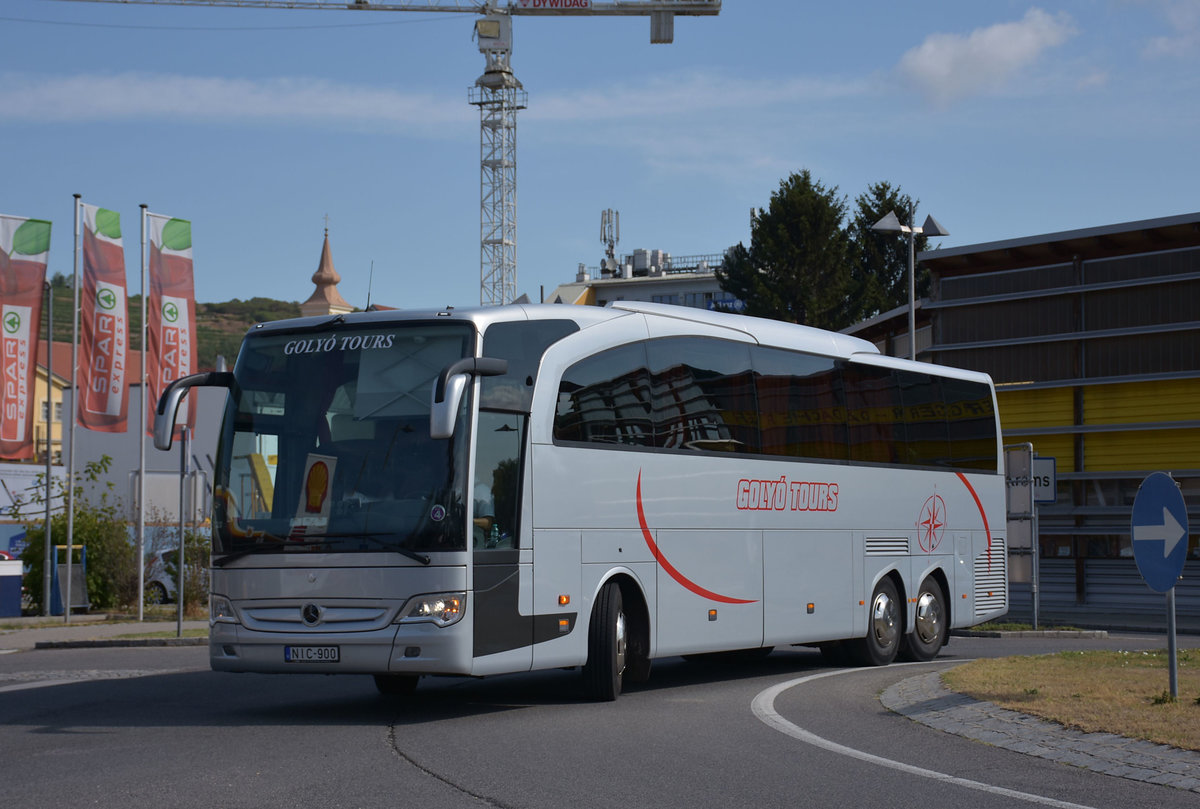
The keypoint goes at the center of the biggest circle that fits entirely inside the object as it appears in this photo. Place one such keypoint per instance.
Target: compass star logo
(12, 323)
(931, 523)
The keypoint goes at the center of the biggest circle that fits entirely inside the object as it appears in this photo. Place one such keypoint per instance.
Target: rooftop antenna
(370, 283)
(610, 235)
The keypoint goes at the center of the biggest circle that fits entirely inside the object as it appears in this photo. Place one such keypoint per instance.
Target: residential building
(651, 276)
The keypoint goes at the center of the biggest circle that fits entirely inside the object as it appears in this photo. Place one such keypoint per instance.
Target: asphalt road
(154, 727)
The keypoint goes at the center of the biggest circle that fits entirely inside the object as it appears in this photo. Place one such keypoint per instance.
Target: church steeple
(325, 300)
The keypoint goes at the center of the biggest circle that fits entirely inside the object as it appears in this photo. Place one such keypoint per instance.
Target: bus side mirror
(168, 403)
(451, 384)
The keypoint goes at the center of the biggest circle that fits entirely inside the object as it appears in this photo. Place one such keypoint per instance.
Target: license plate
(311, 654)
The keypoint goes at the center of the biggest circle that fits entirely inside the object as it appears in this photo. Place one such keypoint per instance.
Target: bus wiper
(321, 539)
(391, 546)
(276, 544)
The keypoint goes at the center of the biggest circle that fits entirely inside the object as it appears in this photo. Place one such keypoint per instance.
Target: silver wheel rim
(884, 622)
(620, 643)
(929, 618)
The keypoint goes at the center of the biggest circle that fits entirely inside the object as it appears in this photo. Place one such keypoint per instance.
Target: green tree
(879, 265)
(797, 267)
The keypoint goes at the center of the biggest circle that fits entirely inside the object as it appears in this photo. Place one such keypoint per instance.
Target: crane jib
(551, 7)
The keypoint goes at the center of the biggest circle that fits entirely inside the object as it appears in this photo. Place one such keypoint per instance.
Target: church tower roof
(325, 300)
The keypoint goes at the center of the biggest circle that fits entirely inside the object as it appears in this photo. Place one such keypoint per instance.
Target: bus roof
(766, 332)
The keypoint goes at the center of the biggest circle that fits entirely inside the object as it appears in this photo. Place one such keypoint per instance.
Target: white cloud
(1183, 17)
(947, 67)
(144, 96)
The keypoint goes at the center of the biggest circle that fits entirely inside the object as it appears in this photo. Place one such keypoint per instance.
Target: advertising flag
(104, 318)
(24, 249)
(171, 317)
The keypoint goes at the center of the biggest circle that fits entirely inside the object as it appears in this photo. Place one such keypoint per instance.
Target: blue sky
(1005, 119)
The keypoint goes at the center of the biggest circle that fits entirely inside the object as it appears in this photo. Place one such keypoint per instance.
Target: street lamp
(891, 223)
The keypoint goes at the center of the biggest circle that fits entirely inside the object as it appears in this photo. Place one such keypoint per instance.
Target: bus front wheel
(928, 635)
(607, 643)
(884, 623)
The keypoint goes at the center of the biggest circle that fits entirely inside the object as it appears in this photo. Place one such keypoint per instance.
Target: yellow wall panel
(1047, 407)
(1142, 450)
(1134, 402)
(1061, 447)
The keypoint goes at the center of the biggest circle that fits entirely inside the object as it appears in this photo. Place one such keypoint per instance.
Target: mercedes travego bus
(475, 492)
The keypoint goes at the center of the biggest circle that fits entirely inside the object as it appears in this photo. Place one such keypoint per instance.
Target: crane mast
(497, 93)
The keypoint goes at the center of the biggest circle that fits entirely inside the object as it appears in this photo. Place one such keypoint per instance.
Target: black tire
(885, 624)
(156, 593)
(396, 685)
(930, 625)
(607, 645)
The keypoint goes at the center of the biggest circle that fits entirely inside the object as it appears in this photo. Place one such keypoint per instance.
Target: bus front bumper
(394, 649)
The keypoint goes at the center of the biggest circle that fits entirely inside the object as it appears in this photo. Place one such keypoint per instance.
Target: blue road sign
(1160, 531)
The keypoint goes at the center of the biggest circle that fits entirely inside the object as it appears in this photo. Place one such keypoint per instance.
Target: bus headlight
(442, 609)
(220, 611)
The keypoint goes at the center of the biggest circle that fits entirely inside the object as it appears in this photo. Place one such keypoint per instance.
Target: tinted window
(605, 399)
(712, 395)
(703, 395)
(874, 414)
(971, 423)
(803, 413)
(522, 343)
(926, 438)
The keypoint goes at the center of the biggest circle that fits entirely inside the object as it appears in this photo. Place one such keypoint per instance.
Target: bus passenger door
(503, 630)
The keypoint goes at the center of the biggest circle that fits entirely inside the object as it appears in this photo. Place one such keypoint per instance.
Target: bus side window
(704, 397)
(605, 399)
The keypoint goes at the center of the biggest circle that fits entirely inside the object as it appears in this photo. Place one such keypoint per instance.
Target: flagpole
(140, 432)
(74, 414)
(49, 547)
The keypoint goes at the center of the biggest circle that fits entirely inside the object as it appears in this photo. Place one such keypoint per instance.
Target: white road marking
(763, 706)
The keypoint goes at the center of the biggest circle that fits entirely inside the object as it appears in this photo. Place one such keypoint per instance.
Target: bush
(197, 547)
(111, 559)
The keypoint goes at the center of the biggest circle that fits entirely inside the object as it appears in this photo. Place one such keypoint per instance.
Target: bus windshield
(325, 444)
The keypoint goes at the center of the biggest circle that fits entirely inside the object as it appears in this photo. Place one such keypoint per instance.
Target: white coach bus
(475, 492)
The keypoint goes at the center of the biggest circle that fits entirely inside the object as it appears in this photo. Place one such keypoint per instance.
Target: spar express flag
(104, 318)
(171, 313)
(24, 249)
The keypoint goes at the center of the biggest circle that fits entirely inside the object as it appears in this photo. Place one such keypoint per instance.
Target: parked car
(160, 577)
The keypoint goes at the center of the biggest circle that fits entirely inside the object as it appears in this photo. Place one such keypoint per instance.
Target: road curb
(1030, 633)
(926, 699)
(115, 642)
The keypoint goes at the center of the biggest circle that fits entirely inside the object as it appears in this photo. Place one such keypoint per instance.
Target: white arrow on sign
(1170, 532)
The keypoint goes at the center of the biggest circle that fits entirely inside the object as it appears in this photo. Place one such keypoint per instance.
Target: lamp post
(891, 223)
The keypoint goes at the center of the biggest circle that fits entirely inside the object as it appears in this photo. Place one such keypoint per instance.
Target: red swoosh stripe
(982, 513)
(667, 566)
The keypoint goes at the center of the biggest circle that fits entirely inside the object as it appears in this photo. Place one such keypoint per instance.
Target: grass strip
(1121, 692)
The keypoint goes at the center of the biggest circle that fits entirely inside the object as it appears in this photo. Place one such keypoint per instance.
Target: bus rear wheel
(928, 635)
(882, 642)
(607, 645)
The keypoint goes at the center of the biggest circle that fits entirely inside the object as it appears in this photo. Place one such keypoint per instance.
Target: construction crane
(498, 95)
